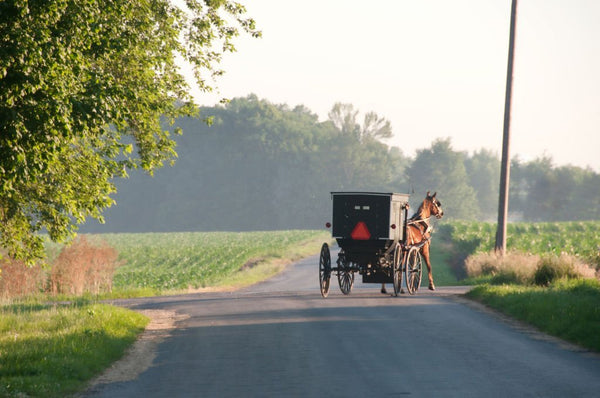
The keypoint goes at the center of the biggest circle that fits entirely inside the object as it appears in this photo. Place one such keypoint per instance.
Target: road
(281, 339)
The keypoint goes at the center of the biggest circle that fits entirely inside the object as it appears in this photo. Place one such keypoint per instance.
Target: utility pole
(505, 167)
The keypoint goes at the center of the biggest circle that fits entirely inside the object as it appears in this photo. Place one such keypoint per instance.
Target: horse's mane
(418, 215)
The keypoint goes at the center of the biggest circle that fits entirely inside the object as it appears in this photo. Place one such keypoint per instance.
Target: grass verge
(443, 275)
(568, 309)
(53, 350)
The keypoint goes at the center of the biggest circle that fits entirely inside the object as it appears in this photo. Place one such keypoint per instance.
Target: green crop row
(172, 261)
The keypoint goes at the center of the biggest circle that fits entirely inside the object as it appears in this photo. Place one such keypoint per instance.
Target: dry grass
(515, 266)
(17, 279)
(79, 268)
(82, 267)
(525, 269)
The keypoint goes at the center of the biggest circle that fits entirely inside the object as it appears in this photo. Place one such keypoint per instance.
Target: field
(165, 262)
(581, 238)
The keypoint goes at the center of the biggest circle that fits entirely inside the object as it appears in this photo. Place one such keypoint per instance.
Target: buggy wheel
(413, 270)
(324, 270)
(397, 269)
(344, 274)
(345, 280)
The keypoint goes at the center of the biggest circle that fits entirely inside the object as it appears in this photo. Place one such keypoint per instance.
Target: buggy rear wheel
(324, 270)
(345, 280)
(414, 270)
(397, 270)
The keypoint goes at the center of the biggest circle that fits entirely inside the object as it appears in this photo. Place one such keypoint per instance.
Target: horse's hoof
(431, 286)
(383, 291)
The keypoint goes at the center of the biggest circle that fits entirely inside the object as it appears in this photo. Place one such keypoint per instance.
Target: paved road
(281, 339)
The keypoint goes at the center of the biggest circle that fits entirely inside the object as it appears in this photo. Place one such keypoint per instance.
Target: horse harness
(423, 226)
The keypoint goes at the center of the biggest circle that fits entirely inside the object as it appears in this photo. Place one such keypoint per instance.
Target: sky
(434, 69)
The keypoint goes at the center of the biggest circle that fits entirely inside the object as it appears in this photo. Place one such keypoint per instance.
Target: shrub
(17, 279)
(524, 269)
(513, 267)
(82, 267)
(78, 268)
(552, 268)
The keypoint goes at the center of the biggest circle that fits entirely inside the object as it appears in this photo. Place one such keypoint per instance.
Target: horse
(418, 230)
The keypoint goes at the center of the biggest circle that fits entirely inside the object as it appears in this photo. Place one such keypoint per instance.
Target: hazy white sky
(434, 68)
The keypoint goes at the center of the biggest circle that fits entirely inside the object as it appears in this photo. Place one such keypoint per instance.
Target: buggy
(370, 229)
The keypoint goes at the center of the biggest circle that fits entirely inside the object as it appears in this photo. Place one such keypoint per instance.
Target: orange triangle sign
(360, 232)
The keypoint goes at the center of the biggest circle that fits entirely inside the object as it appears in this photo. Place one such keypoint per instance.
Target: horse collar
(419, 220)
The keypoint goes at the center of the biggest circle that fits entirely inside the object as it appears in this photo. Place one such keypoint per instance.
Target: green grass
(53, 350)
(569, 309)
(440, 265)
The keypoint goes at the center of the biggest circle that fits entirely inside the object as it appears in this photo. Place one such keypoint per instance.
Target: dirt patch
(251, 263)
(141, 354)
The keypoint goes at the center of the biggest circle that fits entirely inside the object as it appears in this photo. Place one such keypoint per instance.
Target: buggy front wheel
(413, 270)
(324, 270)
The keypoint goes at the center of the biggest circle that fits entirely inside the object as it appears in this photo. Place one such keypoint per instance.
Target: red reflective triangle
(360, 232)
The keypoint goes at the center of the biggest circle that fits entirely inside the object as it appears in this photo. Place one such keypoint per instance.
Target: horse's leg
(425, 253)
(383, 288)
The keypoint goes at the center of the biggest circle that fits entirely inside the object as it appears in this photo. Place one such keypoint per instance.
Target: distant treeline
(262, 166)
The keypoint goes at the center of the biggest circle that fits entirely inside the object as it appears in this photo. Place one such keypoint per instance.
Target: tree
(483, 170)
(344, 117)
(258, 166)
(442, 169)
(83, 87)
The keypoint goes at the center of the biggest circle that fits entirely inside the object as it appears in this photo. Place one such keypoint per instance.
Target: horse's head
(433, 205)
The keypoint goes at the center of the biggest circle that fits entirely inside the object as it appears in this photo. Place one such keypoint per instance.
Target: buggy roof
(369, 193)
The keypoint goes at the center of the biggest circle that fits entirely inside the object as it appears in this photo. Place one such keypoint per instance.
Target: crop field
(580, 238)
(175, 261)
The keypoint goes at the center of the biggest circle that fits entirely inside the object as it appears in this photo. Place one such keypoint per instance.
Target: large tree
(83, 87)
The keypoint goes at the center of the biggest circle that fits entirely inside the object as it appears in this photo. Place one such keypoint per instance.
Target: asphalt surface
(281, 339)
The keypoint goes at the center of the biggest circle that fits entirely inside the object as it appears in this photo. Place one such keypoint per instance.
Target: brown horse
(418, 230)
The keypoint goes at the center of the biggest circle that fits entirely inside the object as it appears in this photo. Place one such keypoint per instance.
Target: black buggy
(370, 229)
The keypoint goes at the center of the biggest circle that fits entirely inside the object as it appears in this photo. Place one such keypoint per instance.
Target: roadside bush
(552, 268)
(526, 269)
(17, 279)
(83, 267)
(78, 268)
(513, 267)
